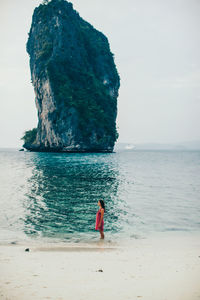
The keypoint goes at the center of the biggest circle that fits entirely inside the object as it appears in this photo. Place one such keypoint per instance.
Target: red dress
(98, 217)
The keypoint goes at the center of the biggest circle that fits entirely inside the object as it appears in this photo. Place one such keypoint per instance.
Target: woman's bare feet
(102, 235)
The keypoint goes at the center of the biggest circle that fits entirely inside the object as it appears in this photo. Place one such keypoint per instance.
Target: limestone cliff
(75, 82)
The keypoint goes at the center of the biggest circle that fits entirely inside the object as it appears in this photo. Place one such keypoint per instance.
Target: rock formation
(75, 82)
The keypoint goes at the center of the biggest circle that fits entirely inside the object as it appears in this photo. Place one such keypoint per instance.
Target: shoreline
(110, 240)
(161, 267)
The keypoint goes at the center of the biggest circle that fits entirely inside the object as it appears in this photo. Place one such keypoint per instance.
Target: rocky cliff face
(75, 82)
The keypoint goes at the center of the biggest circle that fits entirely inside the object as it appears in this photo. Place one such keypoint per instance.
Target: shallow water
(53, 197)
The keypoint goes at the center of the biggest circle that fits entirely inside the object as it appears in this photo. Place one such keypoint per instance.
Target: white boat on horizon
(129, 147)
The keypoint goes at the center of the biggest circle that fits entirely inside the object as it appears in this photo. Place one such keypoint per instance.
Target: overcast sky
(156, 47)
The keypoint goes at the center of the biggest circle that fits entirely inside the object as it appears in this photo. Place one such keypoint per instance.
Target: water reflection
(63, 191)
(55, 195)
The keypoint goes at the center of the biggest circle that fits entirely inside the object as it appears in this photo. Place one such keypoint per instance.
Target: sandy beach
(163, 267)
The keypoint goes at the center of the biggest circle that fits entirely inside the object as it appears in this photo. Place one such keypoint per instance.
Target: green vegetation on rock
(29, 136)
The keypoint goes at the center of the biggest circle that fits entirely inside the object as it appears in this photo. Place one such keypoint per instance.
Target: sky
(156, 45)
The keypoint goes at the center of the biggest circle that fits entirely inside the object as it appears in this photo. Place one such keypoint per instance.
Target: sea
(52, 197)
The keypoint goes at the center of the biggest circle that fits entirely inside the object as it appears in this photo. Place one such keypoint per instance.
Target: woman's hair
(102, 204)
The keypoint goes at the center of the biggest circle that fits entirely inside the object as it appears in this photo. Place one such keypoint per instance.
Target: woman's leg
(102, 234)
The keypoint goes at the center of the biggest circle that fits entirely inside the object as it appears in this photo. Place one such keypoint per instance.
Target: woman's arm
(102, 213)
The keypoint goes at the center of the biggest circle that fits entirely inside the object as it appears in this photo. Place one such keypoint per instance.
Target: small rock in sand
(27, 249)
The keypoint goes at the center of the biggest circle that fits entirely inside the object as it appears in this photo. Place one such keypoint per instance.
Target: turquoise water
(53, 197)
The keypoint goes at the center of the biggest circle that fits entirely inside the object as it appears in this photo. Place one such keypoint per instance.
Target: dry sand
(158, 268)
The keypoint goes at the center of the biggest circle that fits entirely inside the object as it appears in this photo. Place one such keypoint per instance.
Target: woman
(99, 218)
